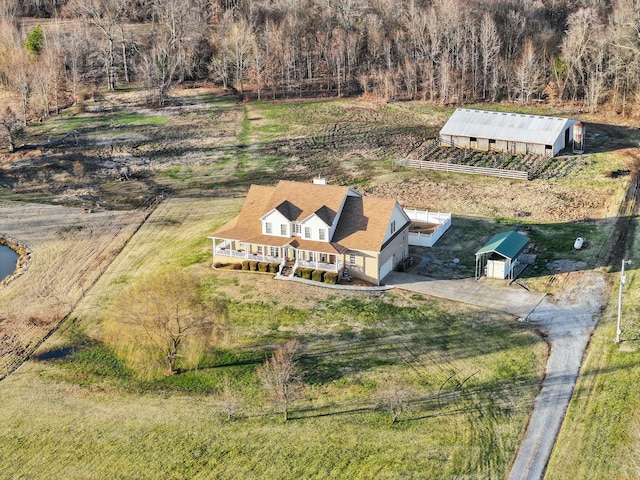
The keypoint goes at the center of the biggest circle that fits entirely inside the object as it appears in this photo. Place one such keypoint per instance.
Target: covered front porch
(318, 260)
(248, 251)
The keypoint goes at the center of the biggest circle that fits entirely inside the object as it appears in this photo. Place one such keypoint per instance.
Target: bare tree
(528, 73)
(394, 396)
(230, 399)
(167, 59)
(106, 16)
(174, 318)
(9, 122)
(489, 50)
(280, 377)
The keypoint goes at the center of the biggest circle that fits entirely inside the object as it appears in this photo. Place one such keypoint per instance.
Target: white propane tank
(577, 245)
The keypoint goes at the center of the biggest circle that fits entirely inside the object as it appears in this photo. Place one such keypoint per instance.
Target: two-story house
(316, 225)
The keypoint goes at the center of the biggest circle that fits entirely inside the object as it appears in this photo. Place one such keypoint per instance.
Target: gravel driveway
(568, 321)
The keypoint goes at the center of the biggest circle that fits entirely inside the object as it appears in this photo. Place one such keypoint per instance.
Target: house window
(260, 249)
(321, 234)
(297, 228)
(393, 227)
(267, 228)
(473, 139)
(313, 257)
(283, 229)
(352, 259)
(323, 257)
(307, 232)
(492, 141)
(274, 251)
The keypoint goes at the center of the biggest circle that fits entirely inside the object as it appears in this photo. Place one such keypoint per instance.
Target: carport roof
(508, 244)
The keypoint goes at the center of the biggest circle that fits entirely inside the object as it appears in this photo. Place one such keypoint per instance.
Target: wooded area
(443, 51)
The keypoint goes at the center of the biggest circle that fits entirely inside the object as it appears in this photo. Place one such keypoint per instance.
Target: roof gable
(289, 210)
(508, 244)
(515, 127)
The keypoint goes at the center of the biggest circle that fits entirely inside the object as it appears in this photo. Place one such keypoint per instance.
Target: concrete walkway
(493, 294)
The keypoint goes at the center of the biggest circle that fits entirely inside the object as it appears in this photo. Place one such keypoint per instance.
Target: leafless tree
(280, 376)
(489, 49)
(528, 74)
(394, 396)
(230, 399)
(173, 316)
(106, 16)
(9, 122)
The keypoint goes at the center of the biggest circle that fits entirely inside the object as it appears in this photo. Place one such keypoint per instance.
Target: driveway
(493, 294)
(568, 319)
(568, 322)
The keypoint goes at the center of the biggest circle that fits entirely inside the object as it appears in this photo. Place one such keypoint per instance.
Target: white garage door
(386, 268)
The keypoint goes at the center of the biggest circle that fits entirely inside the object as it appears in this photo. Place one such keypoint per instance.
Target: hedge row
(255, 266)
(317, 275)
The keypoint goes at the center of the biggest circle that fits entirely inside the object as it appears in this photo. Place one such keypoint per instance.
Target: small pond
(8, 261)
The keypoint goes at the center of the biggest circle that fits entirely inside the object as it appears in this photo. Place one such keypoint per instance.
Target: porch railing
(228, 252)
(332, 267)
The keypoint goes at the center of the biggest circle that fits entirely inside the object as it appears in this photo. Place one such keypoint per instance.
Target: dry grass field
(68, 249)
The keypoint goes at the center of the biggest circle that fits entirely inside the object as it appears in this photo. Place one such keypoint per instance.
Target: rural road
(568, 321)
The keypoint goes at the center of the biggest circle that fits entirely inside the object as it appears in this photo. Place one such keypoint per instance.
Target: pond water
(8, 261)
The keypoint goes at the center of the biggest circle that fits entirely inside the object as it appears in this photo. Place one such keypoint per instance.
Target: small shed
(510, 132)
(499, 257)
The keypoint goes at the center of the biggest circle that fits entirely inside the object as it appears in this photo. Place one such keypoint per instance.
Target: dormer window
(322, 234)
(283, 229)
(267, 228)
(307, 232)
(297, 229)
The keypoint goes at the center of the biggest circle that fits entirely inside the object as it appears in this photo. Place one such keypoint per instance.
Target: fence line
(453, 167)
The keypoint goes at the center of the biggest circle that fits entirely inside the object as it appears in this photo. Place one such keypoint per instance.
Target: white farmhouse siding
(275, 220)
(508, 132)
(311, 227)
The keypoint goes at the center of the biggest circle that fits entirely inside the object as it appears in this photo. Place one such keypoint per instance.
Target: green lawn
(78, 410)
(600, 436)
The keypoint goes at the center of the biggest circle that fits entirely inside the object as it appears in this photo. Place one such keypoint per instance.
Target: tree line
(442, 51)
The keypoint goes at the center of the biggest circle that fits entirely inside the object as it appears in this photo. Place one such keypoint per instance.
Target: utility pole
(623, 280)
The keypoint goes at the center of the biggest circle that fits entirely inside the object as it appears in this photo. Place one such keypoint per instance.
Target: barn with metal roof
(499, 257)
(511, 132)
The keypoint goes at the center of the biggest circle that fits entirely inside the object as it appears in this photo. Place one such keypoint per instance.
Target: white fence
(443, 220)
(454, 167)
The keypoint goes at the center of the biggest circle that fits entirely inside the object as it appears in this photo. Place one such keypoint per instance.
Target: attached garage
(386, 267)
(500, 256)
(511, 132)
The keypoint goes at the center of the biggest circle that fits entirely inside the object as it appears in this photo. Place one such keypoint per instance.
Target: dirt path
(568, 320)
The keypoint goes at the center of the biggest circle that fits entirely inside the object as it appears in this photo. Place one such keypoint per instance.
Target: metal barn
(499, 257)
(510, 132)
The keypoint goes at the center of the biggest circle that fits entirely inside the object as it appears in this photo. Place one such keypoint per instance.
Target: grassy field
(600, 436)
(86, 407)
(79, 411)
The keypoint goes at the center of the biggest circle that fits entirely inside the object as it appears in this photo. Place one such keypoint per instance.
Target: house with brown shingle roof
(316, 225)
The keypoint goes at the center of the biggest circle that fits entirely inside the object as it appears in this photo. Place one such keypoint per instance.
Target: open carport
(500, 256)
